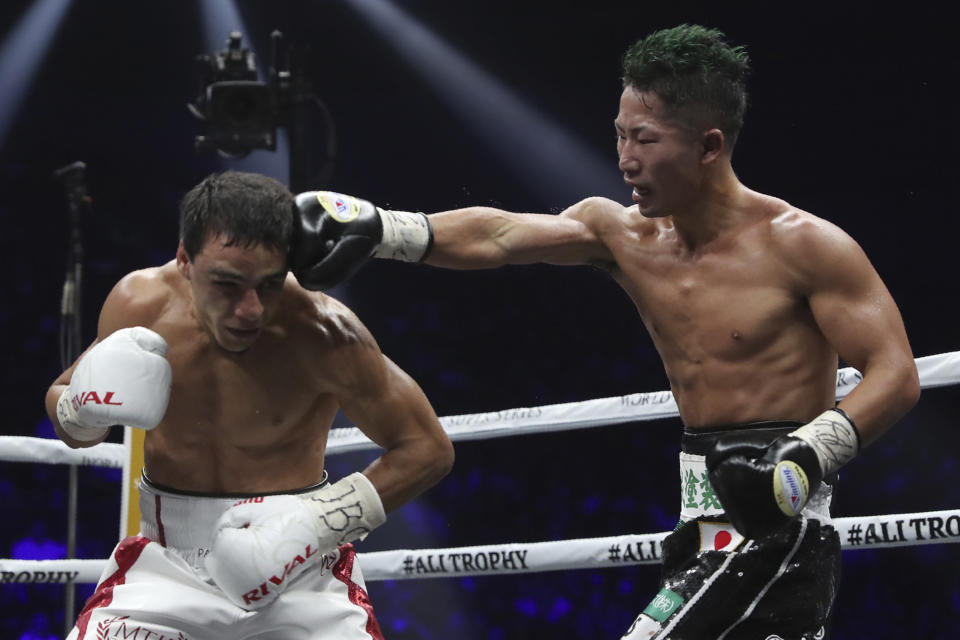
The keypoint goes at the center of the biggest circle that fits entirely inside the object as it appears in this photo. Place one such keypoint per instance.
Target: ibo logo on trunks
(342, 208)
(790, 487)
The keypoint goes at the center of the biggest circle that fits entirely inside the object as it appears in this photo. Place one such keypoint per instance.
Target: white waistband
(697, 497)
(185, 523)
(179, 521)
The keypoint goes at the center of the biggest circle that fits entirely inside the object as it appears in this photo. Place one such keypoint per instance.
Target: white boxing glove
(262, 544)
(124, 379)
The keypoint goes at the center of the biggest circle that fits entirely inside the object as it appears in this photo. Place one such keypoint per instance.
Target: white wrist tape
(70, 422)
(347, 510)
(406, 236)
(833, 437)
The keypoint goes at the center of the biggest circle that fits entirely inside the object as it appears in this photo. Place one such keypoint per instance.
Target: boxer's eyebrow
(227, 274)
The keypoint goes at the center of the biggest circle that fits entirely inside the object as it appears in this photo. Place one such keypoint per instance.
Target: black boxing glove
(761, 487)
(335, 234)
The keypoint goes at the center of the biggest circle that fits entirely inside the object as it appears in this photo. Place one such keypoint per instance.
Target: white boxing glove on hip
(262, 544)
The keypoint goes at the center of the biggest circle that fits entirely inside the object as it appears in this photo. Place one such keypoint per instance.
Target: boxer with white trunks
(158, 582)
(236, 373)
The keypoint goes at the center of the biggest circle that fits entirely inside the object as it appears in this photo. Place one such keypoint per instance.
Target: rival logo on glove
(790, 487)
(326, 562)
(85, 397)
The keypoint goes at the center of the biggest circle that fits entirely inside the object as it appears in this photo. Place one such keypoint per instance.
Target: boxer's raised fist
(123, 379)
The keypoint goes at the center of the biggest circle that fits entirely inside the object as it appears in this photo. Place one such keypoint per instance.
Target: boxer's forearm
(409, 469)
(483, 238)
(471, 238)
(884, 396)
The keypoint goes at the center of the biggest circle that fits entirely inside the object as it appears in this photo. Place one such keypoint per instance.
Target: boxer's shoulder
(324, 321)
(141, 297)
(596, 211)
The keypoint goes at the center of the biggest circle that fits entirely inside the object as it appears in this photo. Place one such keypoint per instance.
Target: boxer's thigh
(329, 601)
(156, 593)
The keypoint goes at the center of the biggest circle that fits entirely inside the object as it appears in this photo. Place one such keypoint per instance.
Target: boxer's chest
(265, 393)
(726, 305)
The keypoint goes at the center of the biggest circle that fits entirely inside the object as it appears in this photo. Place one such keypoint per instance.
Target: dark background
(851, 117)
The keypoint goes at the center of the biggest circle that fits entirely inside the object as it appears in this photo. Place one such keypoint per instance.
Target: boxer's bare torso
(731, 319)
(250, 420)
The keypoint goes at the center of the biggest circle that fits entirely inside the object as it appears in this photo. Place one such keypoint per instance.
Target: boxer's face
(659, 157)
(236, 289)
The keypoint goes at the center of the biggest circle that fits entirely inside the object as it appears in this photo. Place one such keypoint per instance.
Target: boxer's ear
(183, 261)
(713, 144)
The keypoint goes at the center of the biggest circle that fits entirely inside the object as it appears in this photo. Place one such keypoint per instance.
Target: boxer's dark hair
(698, 76)
(247, 209)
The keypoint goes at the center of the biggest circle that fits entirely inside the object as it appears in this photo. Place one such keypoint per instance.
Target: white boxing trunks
(155, 585)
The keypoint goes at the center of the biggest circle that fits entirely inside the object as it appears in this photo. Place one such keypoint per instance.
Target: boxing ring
(879, 531)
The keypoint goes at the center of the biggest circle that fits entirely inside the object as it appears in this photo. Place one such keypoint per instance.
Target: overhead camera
(242, 111)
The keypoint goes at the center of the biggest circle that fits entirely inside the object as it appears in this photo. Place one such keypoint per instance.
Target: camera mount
(243, 112)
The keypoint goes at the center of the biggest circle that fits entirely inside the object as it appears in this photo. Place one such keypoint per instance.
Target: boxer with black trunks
(750, 302)
(236, 372)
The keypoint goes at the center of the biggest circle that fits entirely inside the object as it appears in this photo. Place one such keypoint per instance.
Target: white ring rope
(935, 371)
(27, 449)
(894, 530)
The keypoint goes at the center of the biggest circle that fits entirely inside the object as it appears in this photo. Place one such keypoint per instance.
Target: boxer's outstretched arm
(335, 234)
(484, 237)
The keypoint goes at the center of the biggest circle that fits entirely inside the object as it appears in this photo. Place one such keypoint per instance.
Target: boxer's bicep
(856, 314)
